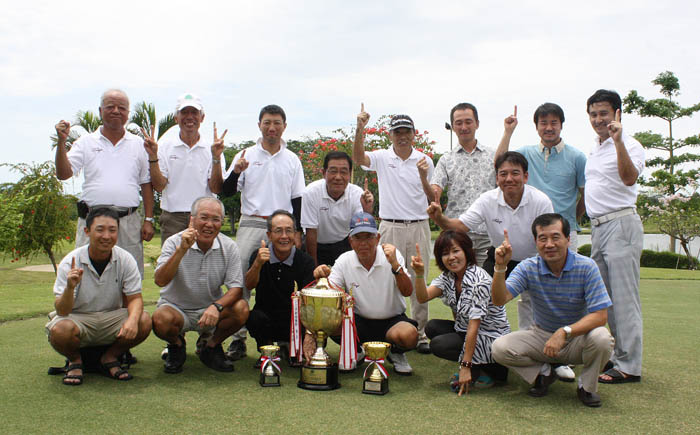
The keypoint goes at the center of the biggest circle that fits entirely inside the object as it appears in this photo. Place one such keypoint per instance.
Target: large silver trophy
(321, 313)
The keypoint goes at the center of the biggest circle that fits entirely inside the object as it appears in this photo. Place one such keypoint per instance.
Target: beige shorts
(96, 329)
(191, 318)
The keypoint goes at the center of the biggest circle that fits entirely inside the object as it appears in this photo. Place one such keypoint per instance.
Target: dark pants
(327, 253)
(490, 262)
(447, 343)
(268, 327)
(172, 223)
(376, 329)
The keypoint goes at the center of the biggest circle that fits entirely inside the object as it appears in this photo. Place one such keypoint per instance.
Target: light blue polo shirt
(559, 174)
(563, 300)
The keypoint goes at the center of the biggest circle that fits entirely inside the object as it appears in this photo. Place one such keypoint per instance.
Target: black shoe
(236, 350)
(588, 399)
(214, 358)
(542, 383)
(423, 348)
(176, 357)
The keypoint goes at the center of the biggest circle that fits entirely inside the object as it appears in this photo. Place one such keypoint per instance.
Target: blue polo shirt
(563, 300)
(559, 174)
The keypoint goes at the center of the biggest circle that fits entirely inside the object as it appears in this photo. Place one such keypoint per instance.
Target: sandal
(483, 382)
(79, 378)
(118, 374)
(617, 377)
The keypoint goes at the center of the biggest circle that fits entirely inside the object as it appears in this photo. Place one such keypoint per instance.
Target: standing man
(512, 207)
(116, 169)
(466, 172)
(327, 206)
(570, 309)
(192, 267)
(613, 167)
(402, 173)
(556, 168)
(269, 177)
(183, 168)
(92, 282)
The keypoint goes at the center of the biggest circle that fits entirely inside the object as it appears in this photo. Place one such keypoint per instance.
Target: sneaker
(423, 348)
(214, 358)
(175, 357)
(564, 373)
(400, 362)
(164, 353)
(236, 350)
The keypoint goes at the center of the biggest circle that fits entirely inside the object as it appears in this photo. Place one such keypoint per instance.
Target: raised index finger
(222, 136)
(366, 183)
(515, 111)
(242, 154)
(362, 107)
(72, 263)
(417, 251)
(505, 236)
(618, 115)
(215, 138)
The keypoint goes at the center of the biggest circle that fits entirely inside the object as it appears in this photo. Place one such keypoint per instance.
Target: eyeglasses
(280, 231)
(213, 219)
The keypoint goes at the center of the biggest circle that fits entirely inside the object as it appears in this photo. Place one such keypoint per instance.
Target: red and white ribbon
(295, 345)
(267, 360)
(349, 339)
(379, 363)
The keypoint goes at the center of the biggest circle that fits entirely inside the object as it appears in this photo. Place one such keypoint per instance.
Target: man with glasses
(192, 267)
(115, 167)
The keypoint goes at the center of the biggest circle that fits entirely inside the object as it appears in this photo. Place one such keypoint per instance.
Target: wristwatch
(567, 331)
(149, 219)
(218, 306)
(398, 269)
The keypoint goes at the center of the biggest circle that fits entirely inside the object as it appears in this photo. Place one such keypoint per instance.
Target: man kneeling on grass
(192, 267)
(91, 284)
(570, 306)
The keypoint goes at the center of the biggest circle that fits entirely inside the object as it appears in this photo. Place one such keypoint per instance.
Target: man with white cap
(402, 173)
(183, 167)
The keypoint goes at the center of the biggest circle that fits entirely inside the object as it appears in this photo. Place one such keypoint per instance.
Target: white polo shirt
(188, 171)
(113, 173)
(400, 190)
(270, 182)
(605, 192)
(330, 217)
(491, 209)
(375, 291)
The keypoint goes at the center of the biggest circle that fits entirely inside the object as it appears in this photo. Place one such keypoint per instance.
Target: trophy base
(374, 387)
(319, 378)
(269, 381)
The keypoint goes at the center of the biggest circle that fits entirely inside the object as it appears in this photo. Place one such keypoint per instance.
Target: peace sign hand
(367, 199)
(74, 276)
(504, 252)
(218, 146)
(417, 262)
(615, 127)
(149, 142)
(362, 117)
(511, 121)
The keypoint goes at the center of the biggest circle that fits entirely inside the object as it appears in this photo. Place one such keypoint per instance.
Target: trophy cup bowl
(269, 375)
(322, 313)
(376, 382)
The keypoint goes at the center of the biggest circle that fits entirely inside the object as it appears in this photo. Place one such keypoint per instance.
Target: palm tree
(87, 120)
(144, 116)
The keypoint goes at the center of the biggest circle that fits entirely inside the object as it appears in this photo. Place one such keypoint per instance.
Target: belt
(614, 215)
(84, 209)
(401, 221)
(261, 217)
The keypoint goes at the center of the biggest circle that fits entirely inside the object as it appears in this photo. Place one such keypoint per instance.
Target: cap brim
(196, 106)
(363, 230)
(396, 127)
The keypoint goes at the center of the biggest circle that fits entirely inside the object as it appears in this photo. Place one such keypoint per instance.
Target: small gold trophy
(322, 313)
(269, 370)
(377, 382)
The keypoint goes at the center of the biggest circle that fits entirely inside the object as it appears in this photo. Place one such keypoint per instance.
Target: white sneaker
(564, 373)
(400, 362)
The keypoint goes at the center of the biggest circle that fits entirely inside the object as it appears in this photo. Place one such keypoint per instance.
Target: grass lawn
(200, 400)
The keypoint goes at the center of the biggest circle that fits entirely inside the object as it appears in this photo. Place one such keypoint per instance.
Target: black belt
(401, 221)
(84, 209)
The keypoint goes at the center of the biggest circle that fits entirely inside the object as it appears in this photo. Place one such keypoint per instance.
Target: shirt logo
(324, 208)
(498, 221)
(97, 150)
(173, 157)
(392, 166)
(257, 163)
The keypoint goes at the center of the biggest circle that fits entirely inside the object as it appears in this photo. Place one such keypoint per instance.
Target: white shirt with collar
(401, 193)
(491, 209)
(113, 173)
(605, 192)
(187, 169)
(270, 182)
(329, 216)
(375, 291)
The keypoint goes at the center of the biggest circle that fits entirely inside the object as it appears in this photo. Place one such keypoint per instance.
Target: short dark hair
(444, 243)
(101, 211)
(549, 109)
(605, 96)
(277, 213)
(513, 157)
(336, 155)
(463, 106)
(272, 109)
(547, 219)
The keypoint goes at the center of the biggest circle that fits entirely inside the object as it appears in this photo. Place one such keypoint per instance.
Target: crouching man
(91, 284)
(192, 267)
(379, 284)
(570, 305)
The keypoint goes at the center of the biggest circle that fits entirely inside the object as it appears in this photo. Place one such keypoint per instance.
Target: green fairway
(202, 401)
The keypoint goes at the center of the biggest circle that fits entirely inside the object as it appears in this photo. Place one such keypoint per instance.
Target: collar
(477, 147)
(258, 144)
(99, 136)
(415, 154)
(84, 257)
(558, 147)
(325, 194)
(568, 265)
(180, 142)
(289, 261)
(523, 200)
(377, 260)
(215, 245)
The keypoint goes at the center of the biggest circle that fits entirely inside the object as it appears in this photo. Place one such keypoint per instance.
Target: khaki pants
(172, 223)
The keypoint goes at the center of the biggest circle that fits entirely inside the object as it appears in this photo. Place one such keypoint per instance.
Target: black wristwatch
(397, 271)
(218, 306)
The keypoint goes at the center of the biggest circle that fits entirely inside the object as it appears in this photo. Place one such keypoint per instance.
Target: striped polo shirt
(563, 300)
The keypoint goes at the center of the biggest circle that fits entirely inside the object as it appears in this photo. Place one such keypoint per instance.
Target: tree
(87, 120)
(144, 116)
(36, 214)
(670, 177)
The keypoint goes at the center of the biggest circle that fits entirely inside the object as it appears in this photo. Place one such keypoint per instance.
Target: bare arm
(64, 302)
(445, 223)
(586, 324)
(509, 125)
(216, 180)
(166, 272)
(581, 204)
(465, 373)
(499, 293)
(252, 277)
(423, 294)
(158, 181)
(147, 229)
(423, 168)
(63, 168)
(358, 149)
(625, 168)
(311, 244)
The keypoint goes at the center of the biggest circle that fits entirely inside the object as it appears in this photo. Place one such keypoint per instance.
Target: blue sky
(320, 59)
